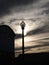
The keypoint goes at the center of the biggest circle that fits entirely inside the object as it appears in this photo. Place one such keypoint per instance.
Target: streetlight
(22, 24)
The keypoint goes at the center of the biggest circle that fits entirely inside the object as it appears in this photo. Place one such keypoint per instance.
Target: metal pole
(23, 42)
(22, 27)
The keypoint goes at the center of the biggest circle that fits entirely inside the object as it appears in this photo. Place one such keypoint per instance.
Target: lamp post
(22, 24)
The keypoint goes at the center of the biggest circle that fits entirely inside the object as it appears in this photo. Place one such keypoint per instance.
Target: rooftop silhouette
(6, 42)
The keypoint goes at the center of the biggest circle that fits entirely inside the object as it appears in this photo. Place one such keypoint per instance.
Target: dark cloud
(47, 8)
(36, 46)
(39, 30)
(46, 5)
(16, 2)
(46, 11)
(6, 4)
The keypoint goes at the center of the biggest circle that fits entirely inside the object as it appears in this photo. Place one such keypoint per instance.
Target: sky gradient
(35, 14)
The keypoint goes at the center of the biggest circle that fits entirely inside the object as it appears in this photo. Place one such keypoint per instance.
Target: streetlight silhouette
(22, 24)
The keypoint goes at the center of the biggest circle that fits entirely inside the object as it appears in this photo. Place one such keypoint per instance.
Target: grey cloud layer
(5, 5)
(35, 10)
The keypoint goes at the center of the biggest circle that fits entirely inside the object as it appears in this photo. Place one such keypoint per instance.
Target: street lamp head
(22, 24)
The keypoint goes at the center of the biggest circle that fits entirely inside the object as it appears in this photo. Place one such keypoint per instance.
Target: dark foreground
(35, 58)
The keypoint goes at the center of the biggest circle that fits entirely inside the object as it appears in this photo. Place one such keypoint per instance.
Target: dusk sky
(35, 14)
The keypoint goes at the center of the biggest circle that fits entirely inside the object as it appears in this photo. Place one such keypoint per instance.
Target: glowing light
(19, 30)
(28, 27)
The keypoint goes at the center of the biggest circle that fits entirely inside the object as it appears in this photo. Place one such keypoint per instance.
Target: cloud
(21, 7)
(43, 27)
(6, 5)
(36, 11)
